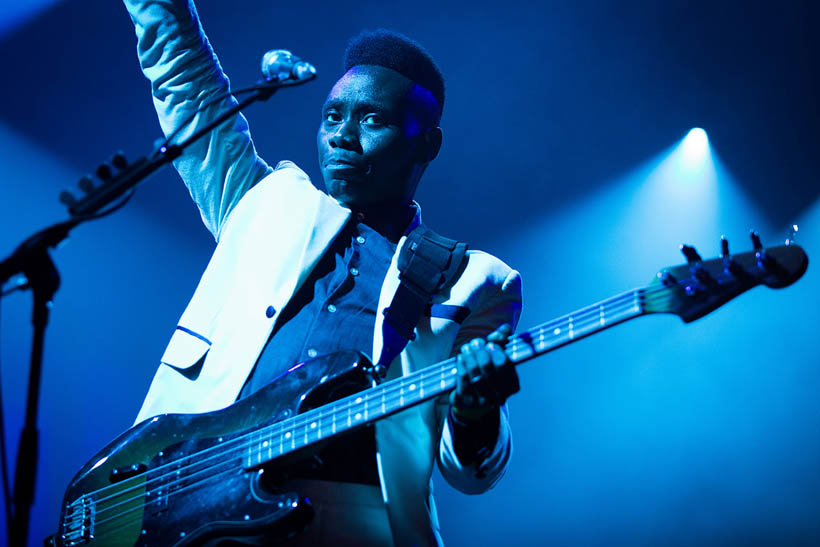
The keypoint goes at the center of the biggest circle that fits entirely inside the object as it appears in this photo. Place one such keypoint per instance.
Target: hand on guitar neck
(485, 376)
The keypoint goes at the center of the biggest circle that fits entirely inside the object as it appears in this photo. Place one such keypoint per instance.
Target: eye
(373, 120)
(332, 116)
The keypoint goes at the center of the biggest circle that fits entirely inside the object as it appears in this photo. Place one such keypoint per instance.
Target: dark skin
(378, 134)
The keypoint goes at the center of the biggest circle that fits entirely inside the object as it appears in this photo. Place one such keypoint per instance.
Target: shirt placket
(317, 342)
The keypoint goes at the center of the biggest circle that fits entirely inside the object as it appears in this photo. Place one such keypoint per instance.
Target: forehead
(370, 84)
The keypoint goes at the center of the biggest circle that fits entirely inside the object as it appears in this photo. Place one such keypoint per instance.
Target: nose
(344, 137)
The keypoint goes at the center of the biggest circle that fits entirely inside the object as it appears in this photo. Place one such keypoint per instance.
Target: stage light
(694, 152)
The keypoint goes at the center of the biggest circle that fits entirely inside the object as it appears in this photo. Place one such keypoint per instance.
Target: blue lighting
(694, 150)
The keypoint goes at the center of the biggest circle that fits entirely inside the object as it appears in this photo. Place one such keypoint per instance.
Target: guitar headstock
(698, 287)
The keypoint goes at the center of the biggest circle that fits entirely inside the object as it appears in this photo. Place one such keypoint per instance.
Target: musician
(297, 273)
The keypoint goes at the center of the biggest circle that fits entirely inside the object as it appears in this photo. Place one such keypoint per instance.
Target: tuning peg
(690, 253)
(758, 246)
(724, 247)
(119, 160)
(730, 266)
(792, 234)
(67, 198)
(86, 184)
(764, 261)
(104, 171)
(667, 279)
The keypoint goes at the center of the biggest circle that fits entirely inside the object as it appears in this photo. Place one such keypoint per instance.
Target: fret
(601, 316)
(319, 431)
(571, 330)
(281, 443)
(384, 408)
(523, 350)
(267, 444)
(306, 433)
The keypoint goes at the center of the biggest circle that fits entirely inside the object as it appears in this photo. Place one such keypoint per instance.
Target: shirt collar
(414, 223)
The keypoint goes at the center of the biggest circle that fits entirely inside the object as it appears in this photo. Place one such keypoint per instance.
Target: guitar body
(146, 488)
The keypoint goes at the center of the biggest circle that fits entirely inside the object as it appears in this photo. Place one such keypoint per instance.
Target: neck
(390, 219)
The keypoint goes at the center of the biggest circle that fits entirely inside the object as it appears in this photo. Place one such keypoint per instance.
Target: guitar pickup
(122, 473)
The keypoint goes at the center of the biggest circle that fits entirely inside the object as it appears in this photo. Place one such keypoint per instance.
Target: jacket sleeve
(177, 58)
(483, 471)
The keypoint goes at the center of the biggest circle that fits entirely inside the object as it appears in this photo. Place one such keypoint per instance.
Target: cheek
(392, 153)
(320, 142)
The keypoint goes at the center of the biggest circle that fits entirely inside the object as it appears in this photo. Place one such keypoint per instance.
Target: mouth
(340, 164)
(345, 169)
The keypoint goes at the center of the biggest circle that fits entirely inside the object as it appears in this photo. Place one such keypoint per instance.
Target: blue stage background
(563, 156)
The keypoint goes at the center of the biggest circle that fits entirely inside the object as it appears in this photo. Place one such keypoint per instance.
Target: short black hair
(390, 49)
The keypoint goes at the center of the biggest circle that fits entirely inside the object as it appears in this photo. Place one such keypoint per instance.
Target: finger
(468, 357)
(476, 344)
(500, 334)
(497, 354)
(483, 358)
(463, 395)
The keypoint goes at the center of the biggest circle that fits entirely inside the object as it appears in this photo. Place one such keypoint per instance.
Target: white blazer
(272, 226)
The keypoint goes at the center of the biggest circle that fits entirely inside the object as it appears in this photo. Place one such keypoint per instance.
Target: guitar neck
(387, 398)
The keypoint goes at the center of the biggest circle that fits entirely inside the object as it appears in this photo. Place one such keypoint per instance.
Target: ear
(429, 145)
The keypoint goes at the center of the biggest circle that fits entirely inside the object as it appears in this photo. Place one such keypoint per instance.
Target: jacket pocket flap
(185, 349)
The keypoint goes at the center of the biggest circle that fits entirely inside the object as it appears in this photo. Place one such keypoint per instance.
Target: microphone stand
(32, 260)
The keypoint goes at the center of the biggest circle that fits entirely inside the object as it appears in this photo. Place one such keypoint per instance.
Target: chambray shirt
(335, 308)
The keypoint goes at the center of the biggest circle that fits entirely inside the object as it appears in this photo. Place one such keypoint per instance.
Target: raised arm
(177, 58)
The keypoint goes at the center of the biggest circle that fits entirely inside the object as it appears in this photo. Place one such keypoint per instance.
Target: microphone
(279, 65)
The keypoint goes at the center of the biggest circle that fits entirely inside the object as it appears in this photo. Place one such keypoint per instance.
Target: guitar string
(239, 452)
(268, 430)
(304, 422)
(296, 425)
(513, 346)
(195, 483)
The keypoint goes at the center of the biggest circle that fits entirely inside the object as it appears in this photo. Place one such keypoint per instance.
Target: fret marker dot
(287, 435)
(313, 425)
(557, 331)
(265, 444)
(358, 399)
(412, 387)
(358, 415)
(454, 371)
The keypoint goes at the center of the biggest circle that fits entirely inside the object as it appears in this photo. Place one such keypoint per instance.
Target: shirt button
(331, 308)
(312, 353)
(270, 311)
(360, 240)
(354, 271)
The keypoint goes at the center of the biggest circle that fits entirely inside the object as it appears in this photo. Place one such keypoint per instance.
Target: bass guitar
(184, 479)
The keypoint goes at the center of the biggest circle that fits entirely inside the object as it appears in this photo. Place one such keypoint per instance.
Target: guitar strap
(427, 264)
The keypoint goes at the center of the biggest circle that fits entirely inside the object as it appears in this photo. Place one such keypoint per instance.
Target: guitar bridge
(78, 523)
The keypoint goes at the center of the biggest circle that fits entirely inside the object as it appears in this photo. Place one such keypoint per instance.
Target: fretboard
(368, 406)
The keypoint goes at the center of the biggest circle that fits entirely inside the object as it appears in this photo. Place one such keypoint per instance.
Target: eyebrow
(364, 105)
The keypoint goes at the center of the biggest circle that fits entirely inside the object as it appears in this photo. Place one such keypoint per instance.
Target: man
(297, 273)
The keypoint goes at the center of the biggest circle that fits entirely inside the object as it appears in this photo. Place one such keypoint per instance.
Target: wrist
(472, 414)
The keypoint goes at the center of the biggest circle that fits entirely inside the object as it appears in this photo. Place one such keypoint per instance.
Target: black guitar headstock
(700, 286)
